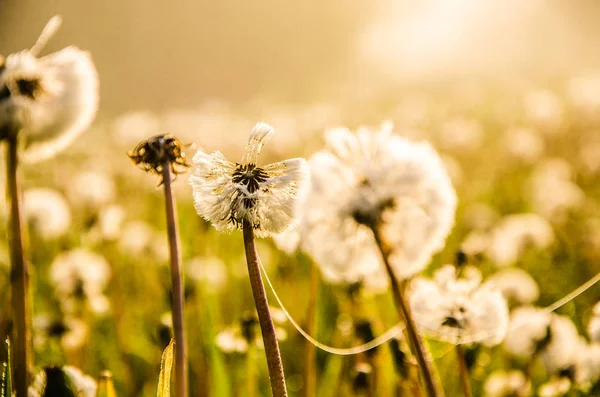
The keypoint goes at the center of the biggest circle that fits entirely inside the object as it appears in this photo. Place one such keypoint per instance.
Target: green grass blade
(166, 365)
(6, 390)
(106, 387)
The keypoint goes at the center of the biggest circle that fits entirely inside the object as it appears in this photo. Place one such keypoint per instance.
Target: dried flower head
(152, 155)
(230, 195)
(47, 101)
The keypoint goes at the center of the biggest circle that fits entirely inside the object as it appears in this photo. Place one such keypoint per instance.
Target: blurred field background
(508, 92)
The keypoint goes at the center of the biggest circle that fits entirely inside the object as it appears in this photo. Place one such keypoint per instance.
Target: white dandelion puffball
(527, 331)
(230, 195)
(516, 285)
(47, 211)
(515, 233)
(507, 384)
(555, 387)
(561, 351)
(47, 101)
(459, 310)
(77, 272)
(92, 189)
(376, 179)
(593, 327)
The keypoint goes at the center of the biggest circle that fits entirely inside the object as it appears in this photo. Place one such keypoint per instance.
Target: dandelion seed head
(507, 384)
(47, 101)
(47, 211)
(593, 327)
(457, 309)
(561, 352)
(374, 178)
(555, 387)
(528, 330)
(229, 195)
(515, 233)
(92, 189)
(517, 286)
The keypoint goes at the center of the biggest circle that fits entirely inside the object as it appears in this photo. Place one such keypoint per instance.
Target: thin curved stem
(465, 383)
(267, 328)
(181, 368)
(418, 346)
(19, 274)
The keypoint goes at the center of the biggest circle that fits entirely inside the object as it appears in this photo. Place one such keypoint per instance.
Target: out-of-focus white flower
(91, 188)
(587, 365)
(140, 238)
(133, 127)
(524, 144)
(81, 274)
(562, 350)
(210, 271)
(47, 211)
(545, 108)
(239, 336)
(516, 285)
(289, 241)
(475, 243)
(375, 179)
(593, 328)
(527, 331)
(459, 310)
(71, 332)
(461, 134)
(229, 195)
(80, 384)
(50, 100)
(554, 175)
(555, 387)
(110, 222)
(507, 384)
(515, 234)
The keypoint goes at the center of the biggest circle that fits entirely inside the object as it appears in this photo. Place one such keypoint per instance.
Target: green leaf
(6, 390)
(166, 365)
(106, 387)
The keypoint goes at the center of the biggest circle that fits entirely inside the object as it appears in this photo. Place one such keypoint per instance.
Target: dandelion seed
(47, 101)
(229, 195)
(459, 309)
(507, 384)
(47, 212)
(376, 178)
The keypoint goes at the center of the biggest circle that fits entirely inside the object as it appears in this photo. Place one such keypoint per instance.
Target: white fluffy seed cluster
(459, 309)
(376, 176)
(48, 100)
(228, 195)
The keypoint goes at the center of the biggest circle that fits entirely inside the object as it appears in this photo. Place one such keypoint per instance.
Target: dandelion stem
(417, 344)
(19, 272)
(309, 349)
(464, 372)
(264, 315)
(181, 370)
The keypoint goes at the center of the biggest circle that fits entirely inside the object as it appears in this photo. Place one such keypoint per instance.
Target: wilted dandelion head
(459, 309)
(374, 179)
(47, 101)
(231, 195)
(154, 154)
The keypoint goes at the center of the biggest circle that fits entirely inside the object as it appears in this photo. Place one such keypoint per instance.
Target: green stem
(181, 369)
(464, 372)
(309, 348)
(19, 274)
(267, 328)
(417, 344)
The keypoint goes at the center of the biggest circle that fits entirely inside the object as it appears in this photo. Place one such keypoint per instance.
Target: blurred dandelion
(45, 103)
(556, 387)
(47, 212)
(517, 286)
(62, 381)
(507, 384)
